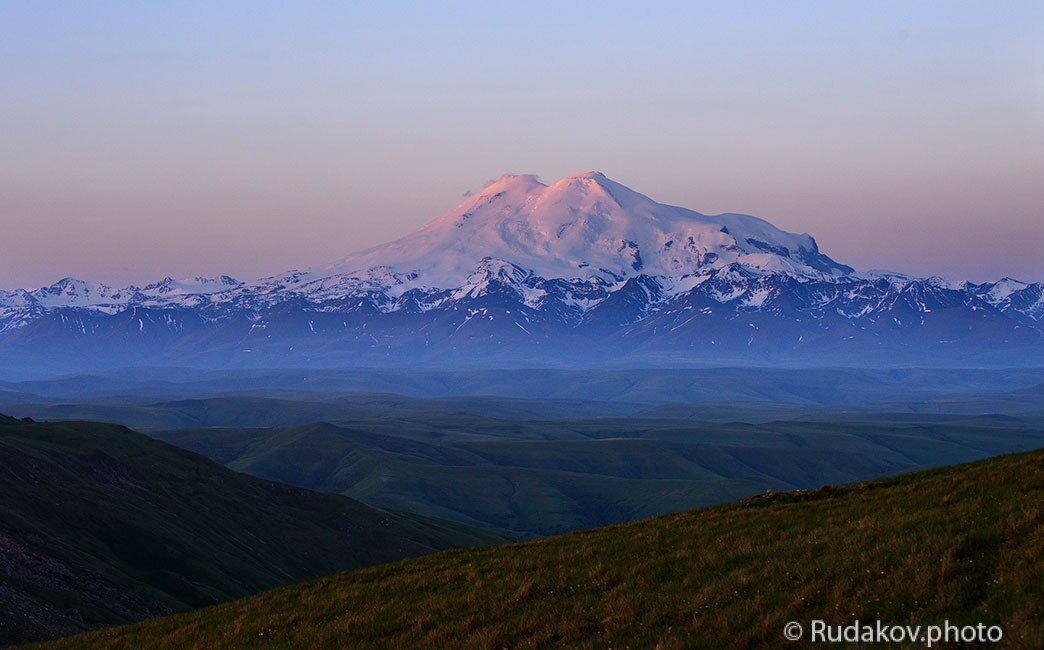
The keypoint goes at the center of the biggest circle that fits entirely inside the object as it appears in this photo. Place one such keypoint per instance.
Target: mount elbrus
(584, 271)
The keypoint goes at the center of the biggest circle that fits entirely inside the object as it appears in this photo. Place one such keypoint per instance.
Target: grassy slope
(963, 543)
(101, 525)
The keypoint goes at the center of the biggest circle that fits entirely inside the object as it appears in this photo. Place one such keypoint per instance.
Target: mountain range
(583, 271)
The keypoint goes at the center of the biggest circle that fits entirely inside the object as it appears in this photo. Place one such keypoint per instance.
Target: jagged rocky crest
(581, 271)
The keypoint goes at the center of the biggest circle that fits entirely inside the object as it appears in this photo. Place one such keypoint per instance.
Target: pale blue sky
(139, 140)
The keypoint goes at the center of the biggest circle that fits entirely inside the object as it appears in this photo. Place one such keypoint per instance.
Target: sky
(141, 140)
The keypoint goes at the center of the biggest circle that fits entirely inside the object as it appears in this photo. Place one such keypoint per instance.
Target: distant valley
(560, 450)
(547, 477)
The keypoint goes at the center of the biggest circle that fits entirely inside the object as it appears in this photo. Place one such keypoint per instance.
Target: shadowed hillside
(964, 544)
(100, 525)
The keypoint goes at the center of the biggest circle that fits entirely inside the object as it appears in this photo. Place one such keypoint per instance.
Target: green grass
(964, 544)
(528, 478)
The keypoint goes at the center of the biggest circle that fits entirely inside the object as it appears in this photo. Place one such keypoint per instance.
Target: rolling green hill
(962, 544)
(100, 525)
(548, 477)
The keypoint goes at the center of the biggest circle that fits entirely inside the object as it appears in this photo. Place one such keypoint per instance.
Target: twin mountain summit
(582, 271)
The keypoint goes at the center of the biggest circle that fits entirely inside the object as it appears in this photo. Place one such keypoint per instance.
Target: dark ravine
(100, 525)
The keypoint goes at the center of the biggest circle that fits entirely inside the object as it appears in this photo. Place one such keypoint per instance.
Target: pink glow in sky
(138, 142)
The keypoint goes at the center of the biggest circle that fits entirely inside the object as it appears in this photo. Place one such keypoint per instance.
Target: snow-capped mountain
(583, 270)
(585, 227)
